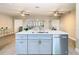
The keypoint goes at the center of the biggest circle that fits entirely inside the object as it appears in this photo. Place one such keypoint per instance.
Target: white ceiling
(45, 8)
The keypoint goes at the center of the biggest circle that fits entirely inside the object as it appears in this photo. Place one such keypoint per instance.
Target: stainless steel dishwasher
(60, 44)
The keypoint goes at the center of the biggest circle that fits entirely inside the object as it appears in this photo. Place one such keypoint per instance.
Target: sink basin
(39, 32)
(42, 32)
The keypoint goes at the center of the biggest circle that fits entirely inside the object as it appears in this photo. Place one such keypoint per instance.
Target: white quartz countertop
(42, 32)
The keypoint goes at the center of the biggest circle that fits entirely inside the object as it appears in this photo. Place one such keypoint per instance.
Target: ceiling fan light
(55, 14)
(22, 15)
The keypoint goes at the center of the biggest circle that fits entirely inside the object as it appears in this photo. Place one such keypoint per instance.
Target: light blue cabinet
(21, 36)
(39, 44)
(45, 46)
(34, 44)
(33, 47)
(21, 44)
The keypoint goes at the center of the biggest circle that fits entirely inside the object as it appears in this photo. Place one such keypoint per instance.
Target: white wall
(68, 24)
(6, 21)
(77, 26)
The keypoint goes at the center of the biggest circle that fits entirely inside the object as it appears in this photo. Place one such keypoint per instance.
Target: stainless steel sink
(42, 32)
(39, 32)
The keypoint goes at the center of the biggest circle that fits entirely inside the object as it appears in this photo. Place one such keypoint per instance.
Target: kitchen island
(42, 43)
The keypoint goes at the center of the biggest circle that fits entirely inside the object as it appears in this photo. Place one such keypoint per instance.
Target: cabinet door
(21, 46)
(33, 47)
(21, 36)
(45, 46)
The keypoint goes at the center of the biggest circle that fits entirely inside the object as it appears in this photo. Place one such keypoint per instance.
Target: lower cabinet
(33, 47)
(45, 46)
(21, 46)
(39, 46)
(56, 45)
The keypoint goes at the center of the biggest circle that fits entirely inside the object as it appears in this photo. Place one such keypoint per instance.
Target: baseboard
(77, 50)
(72, 38)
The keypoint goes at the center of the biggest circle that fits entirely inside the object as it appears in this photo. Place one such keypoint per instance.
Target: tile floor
(10, 49)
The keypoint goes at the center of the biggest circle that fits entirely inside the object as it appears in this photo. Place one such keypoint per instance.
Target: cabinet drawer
(19, 36)
(21, 42)
(45, 36)
(33, 36)
(39, 36)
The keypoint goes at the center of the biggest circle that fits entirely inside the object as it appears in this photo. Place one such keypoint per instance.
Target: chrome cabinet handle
(39, 42)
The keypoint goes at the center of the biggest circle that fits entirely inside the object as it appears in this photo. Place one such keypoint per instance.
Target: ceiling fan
(24, 13)
(58, 12)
